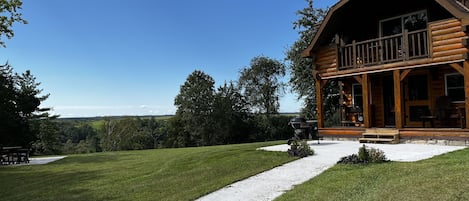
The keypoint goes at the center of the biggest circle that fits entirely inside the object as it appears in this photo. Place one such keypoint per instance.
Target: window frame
(446, 86)
(354, 95)
(401, 17)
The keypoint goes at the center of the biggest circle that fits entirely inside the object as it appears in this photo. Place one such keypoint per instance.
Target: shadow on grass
(33, 183)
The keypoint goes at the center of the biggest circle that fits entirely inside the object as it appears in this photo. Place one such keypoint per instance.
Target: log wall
(447, 37)
(327, 60)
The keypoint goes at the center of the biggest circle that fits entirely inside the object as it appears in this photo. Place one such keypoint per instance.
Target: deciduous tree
(261, 84)
(302, 80)
(230, 115)
(195, 106)
(9, 14)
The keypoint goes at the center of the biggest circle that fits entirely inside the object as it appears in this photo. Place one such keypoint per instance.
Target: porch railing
(394, 48)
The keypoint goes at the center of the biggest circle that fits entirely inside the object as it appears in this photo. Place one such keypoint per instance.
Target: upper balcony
(394, 48)
(443, 41)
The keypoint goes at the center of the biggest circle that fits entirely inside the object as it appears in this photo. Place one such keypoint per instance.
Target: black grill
(304, 129)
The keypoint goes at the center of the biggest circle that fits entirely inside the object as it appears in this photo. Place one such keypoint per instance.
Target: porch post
(466, 90)
(397, 98)
(319, 104)
(366, 100)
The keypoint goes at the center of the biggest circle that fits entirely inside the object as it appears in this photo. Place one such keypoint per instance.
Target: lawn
(441, 178)
(161, 174)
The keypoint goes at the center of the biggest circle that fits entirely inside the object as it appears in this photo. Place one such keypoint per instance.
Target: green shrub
(300, 149)
(365, 155)
(377, 156)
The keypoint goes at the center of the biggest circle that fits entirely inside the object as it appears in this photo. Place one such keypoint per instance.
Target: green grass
(162, 174)
(441, 178)
(97, 124)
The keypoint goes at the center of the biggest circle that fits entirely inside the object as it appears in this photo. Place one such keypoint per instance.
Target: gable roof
(452, 6)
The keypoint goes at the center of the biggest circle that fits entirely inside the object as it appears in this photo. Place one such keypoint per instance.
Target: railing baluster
(399, 47)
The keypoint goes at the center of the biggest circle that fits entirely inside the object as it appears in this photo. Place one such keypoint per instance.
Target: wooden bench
(380, 136)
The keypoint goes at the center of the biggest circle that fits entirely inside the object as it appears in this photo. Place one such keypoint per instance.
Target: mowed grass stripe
(161, 174)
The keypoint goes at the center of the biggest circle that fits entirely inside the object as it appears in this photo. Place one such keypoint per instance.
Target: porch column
(366, 100)
(319, 104)
(397, 98)
(466, 90)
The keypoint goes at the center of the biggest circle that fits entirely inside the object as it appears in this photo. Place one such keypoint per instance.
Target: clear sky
(130, 57)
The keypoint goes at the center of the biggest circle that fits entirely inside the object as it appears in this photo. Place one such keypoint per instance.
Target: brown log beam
(466, 89)
(319, 104)
(447, 47)
(366, 100)
(450, 52)
(447, 42)
(444, 24)
(404, 74)
(359, 79)
(397, 99)
(447, 30)
(448, 36)
(457, 67)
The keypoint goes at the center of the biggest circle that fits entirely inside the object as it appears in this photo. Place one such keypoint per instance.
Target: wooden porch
(354, 133)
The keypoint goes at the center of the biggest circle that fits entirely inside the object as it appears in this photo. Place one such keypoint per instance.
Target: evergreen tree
(20, 114)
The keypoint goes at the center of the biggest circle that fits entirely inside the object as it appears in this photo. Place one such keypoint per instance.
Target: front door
(416, 99)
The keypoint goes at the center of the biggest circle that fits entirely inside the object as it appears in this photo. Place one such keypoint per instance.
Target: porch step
(376, 135)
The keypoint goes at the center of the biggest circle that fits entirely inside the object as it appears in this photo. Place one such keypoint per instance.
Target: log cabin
(402, 67)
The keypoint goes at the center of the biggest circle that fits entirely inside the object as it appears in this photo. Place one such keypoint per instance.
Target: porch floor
(405, 133)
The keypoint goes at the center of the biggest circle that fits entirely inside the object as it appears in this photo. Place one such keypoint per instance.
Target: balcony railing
(395, 48)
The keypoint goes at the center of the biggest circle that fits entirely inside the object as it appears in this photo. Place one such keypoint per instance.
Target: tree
(20, 114)
(302, 80)
(8, 16)
(195, 106)
(125, 134)
(47, 138)
(151, 128)
(230, 115)
(261, 84)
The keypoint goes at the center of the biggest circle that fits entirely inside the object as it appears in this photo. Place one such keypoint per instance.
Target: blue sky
(130, 57)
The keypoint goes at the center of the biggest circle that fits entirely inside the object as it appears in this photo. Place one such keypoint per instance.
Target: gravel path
(44, 160)
(273, 183)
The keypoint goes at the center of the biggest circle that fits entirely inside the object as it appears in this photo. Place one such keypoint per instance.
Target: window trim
(353, 93)
(446, 86)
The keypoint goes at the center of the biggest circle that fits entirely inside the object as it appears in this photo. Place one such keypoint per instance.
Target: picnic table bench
(14, 155)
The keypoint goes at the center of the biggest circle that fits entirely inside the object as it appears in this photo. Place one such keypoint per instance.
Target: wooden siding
(435, 133)
(447, 37)
(327, 60)
(446, 46)
(347, 132)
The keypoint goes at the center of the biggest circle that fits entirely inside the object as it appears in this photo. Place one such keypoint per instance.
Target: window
(409, 22)
(357, 95)
(454, 86)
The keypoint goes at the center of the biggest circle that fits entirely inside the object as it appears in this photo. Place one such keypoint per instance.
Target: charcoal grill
(304, 129)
